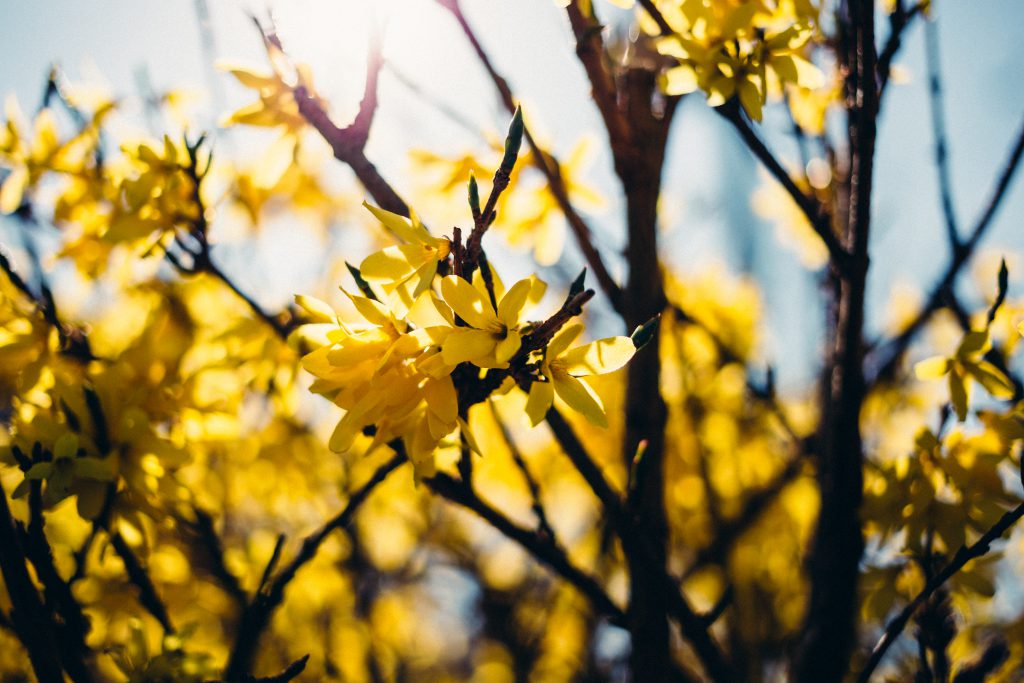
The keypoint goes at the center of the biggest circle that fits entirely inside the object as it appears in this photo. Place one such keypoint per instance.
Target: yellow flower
(70, 472)
(276, 105)
(29, 156)
(414, 261)
(562, 368)
(492, 336)
(966, 363)
(386, 373)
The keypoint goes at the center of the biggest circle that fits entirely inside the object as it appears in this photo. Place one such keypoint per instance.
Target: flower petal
(599, 357)
(539, 400)
(580, 397)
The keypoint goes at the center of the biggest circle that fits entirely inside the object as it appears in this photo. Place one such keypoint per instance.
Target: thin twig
(899, 21)
(257, 615)
(547, 164)
(964, 555)
(28, 616)
(137, 575)
(886, 357)
(815, 212)
(932, 59)
(543, 524)
(541, 547)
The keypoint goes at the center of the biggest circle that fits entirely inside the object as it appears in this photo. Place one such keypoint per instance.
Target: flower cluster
(412, 359)
(741, 48)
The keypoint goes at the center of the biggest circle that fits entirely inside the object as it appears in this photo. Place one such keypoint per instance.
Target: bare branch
(542, 548)
(547, 164)
(964, 555)
(815, 212)
(885, 358)
(257, 615)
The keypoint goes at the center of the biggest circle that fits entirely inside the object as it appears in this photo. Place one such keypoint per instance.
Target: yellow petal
(580, 397)
(561, 341)
(467, 302)
(466, 344)
(507, 347)
(318, 310)
(402, 227)
(13, 189)
(442, 399)
(511, 305)
(599, 357)
(932, 368)
(992, 378)
(974, 343)
(392, 264)
(679, 80)
(539, 400)
(373, 311)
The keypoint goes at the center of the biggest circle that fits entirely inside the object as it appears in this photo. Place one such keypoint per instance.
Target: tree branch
(547, 164)
(964, 555)
(257, 615)
(542, 548)
(815, 212)
(885, 358)
(28, 616)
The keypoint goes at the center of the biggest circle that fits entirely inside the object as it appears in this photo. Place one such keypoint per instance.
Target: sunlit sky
(709, 176)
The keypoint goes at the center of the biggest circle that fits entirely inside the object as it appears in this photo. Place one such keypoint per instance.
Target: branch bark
(829, 629)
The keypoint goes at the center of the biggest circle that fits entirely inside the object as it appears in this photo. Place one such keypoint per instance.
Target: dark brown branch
(886, 358)
(731, 530)
(637, 545)
(543, 524)
(762, 394)
(964, 555)
(829, 630)
(70, 625)
(349, 143)
(591, 53)
(28, 615)
(815, 212)
(659, 19)
(547, 164)
(202, 535)
(257, 615)
(137, 575)
(541, 547)
(932, 60)
(899, 21)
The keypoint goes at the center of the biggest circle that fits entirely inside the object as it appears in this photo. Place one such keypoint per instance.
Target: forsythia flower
(562, 368)
(731, 48)
(414, 261)
(967, 362)
(385, 373)
(492, 336)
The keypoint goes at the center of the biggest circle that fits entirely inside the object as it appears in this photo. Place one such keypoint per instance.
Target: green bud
(513, 142)
(474, 195)
(363, 285)
(644, 333)
(577, 284)
(1004, 280)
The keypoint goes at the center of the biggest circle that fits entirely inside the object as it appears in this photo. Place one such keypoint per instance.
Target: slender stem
(931, 34)
(541, 547)
(815, 212)
(257, 615)
(964, 555)
(547, 164)
(885, 358)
